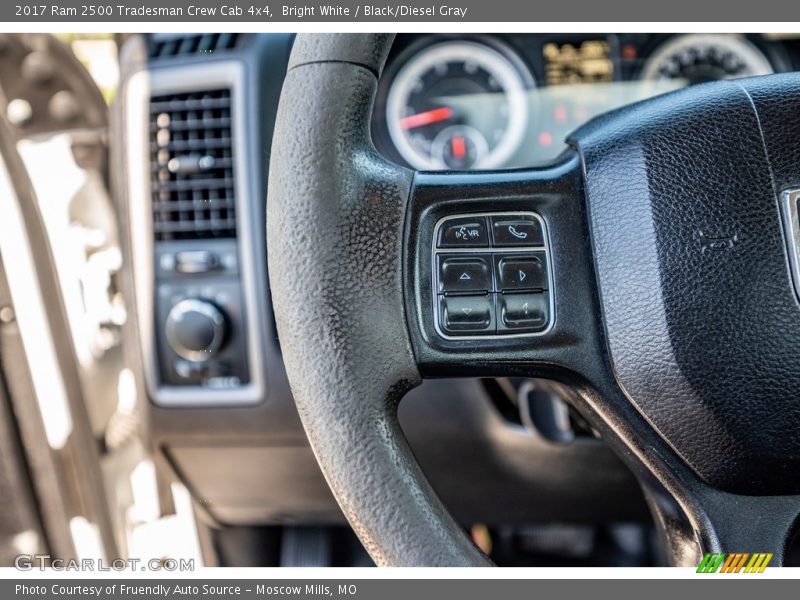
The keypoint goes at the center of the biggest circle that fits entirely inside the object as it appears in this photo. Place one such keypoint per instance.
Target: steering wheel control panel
(491, 276)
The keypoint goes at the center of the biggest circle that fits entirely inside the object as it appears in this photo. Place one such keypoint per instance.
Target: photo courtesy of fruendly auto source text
(376, 300)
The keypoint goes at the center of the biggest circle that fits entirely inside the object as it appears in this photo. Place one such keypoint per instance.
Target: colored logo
(737, 562)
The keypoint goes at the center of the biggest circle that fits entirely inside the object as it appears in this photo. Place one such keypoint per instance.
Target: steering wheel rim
(348, 406)
(349, 238)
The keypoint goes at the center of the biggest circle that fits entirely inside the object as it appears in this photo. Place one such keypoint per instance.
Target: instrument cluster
(505, 101)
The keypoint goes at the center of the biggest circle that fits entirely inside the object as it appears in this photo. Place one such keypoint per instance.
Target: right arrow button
(521, 272)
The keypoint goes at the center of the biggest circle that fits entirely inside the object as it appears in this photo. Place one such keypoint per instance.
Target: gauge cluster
(506, 101)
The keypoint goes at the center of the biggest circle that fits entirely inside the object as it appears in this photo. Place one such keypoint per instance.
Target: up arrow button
(459, 273)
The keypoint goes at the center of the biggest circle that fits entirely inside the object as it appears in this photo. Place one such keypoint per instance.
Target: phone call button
(517, 231)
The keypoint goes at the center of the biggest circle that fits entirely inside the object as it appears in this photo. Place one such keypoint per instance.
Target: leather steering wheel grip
(335, 215)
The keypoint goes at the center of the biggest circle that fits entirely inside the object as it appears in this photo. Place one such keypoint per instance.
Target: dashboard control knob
(195, 329)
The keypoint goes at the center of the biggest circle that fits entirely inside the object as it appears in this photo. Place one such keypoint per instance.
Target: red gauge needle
(459, 147)
(427, 117)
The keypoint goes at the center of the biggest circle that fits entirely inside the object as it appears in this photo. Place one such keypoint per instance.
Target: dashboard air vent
(191, 164)
(166, 46)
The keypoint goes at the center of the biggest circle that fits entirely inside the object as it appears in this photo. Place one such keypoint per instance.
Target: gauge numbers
(458, 105)
(698, 58)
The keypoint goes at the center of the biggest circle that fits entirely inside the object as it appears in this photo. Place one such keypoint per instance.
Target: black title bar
(472, 11)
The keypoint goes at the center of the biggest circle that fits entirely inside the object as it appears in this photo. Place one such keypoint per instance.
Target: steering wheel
(664, 247)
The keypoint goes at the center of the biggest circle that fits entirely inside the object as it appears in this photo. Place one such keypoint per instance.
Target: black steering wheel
(662, 242)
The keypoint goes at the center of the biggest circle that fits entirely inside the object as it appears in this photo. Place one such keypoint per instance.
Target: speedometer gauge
(458, 105)
(697, 58)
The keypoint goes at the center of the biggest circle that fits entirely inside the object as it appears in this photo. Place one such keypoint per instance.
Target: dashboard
(508, 101)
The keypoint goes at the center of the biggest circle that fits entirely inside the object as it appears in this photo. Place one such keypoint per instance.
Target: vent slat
(178, 205)
(219, 164)
(193, 184)
(188, 125)
(183, 226)
(191, 164)
(198, 144)
(194, 43)
(164, 103)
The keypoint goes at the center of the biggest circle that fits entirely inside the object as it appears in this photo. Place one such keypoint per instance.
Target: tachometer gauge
(458, 105)
(698, 58)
